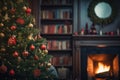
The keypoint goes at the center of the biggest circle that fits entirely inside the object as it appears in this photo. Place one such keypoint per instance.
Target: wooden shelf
(56, 21)
(63, 66)
(97, 37)
(54, 6)
(60, 52)
(57, 36)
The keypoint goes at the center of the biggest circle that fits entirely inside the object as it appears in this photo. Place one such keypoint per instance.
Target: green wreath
(95, 19)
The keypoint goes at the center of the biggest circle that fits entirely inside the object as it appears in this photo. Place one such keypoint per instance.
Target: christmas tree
(23, 52)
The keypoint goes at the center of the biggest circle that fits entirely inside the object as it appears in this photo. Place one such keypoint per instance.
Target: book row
(56, 14)
(58, 45)
(56, 1)
(57, 29)
(61, 61)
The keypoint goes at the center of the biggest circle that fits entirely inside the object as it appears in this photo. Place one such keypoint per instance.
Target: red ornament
(43, 47)
(36, 57)
(28, 10)
(15, 54)
(20, 21)
(3, 69)
(12, 72)
(32, 47)
(36, 72)
(12, 40)
(13, 27)
(25, 53)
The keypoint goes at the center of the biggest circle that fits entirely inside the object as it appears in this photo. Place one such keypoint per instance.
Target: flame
(102, 68)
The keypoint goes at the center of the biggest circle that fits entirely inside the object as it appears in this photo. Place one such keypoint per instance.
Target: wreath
(95, 19)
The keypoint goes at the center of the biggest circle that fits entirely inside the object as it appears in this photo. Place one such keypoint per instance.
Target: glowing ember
(102, 68)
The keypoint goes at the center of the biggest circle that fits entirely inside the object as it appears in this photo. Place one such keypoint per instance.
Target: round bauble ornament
(1, 24)
(43, 47)
(32, 47)
(12, 41)
(49, 65)
(25, 53)
(13, 27)
(15, 54)
(36, 57)
(28, 10)
(2, 35)
(11, 72)
(5, 8)
(36, 72)
(45, 51)
(24, 8)
(30, 25)
(3, 69)
(20, 21)
(30, 38)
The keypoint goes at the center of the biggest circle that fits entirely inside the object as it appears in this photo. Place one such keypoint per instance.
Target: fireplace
(97, 58)
(100, 63)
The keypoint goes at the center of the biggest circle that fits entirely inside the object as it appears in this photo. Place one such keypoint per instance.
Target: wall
(83, 16)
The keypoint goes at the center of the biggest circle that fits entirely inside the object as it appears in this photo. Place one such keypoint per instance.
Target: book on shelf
(56, 14)
(61, 60)
(57, 29)
(47, 14)
(58, 45)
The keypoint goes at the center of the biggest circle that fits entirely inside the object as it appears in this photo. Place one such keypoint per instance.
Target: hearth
(100, 63)
(96, 57)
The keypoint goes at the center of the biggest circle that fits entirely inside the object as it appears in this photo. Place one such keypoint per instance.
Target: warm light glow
(102, 68)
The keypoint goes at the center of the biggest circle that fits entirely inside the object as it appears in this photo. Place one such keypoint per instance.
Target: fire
(102, 68)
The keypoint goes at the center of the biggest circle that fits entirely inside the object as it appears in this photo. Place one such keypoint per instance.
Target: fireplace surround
(92, 51)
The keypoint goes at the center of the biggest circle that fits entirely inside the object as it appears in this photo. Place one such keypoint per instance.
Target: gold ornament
(2, 49)
(2, 34)
(4, 8)
(30, 37)
(49, 65)
(45, 51)
(30, 25)
(24, 7)
(6, 17)
(1, 24)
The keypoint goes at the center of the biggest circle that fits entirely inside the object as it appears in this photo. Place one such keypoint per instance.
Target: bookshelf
(56, 24)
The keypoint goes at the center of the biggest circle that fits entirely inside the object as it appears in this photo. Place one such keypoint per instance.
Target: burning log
(103, 75)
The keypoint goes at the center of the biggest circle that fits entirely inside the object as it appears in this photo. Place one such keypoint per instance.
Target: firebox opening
(102, 66)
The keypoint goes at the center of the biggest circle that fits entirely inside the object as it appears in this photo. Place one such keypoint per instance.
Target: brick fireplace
(96, 57)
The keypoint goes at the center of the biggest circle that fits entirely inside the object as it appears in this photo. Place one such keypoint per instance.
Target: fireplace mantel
(92, 40)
